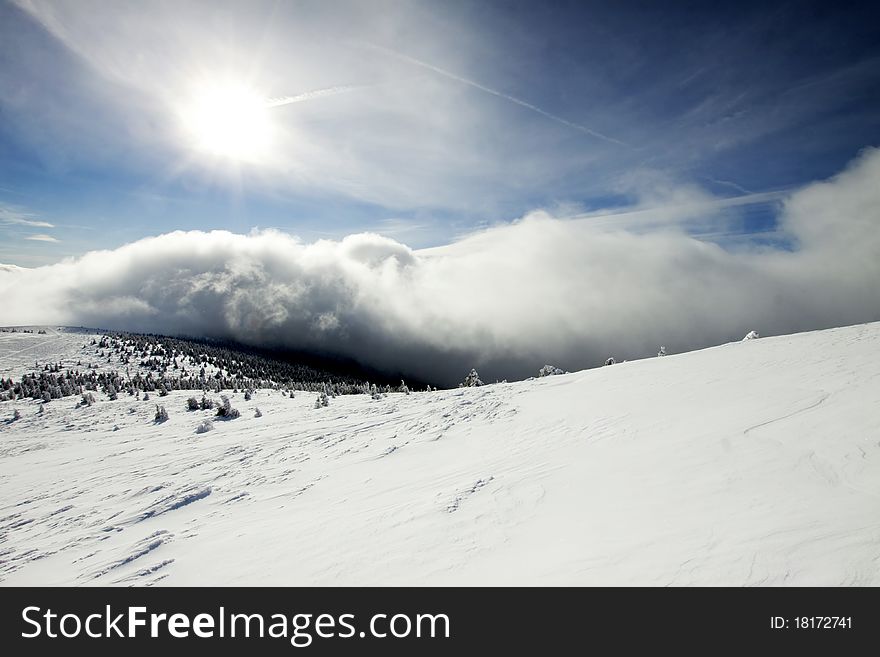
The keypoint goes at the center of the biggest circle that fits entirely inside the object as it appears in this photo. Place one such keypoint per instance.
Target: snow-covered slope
(20, 350)
(748, 463)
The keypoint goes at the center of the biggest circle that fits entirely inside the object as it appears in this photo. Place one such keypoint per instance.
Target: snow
(28, 352)
(750, 463)
(20, 350)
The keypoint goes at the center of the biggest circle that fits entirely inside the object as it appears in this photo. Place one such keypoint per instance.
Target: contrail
(729, 183)
(310, 95)
(641, 213)
(494, 92)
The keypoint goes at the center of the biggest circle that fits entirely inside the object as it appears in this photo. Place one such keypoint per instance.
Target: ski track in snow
(752, 463)
(809, 407)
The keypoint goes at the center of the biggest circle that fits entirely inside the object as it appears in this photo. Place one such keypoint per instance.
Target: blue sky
(433, 119)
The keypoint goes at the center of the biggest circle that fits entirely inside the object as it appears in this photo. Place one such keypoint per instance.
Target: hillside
(753, 463)
(48, 363)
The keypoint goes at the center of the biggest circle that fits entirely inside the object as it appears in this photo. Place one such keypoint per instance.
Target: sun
(228, 121)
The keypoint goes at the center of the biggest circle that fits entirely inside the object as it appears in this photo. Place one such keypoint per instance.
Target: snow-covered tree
(662, 352)
(225, 409)
(257, 412)
(403, 387)
(751, 335)
(192, 404)
(322, 400)
(161, 414)
(550, 370)
(16, 414)
(610, 361)
(471, 380)
(205, 426)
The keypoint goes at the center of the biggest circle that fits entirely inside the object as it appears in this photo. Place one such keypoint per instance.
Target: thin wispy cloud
(687, 205)
(42, 238)
(15, 217)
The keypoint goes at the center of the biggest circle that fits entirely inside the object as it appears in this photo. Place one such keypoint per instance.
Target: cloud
(16, 217)
(41, 238)
(680, 205)
(506, 300)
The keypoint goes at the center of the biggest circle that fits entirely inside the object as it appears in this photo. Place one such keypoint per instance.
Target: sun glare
(229, 121)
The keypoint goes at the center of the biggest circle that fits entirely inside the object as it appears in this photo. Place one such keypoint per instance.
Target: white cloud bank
(508, 299)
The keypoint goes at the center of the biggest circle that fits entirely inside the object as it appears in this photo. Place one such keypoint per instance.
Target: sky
(441, 118)
(625, 162)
